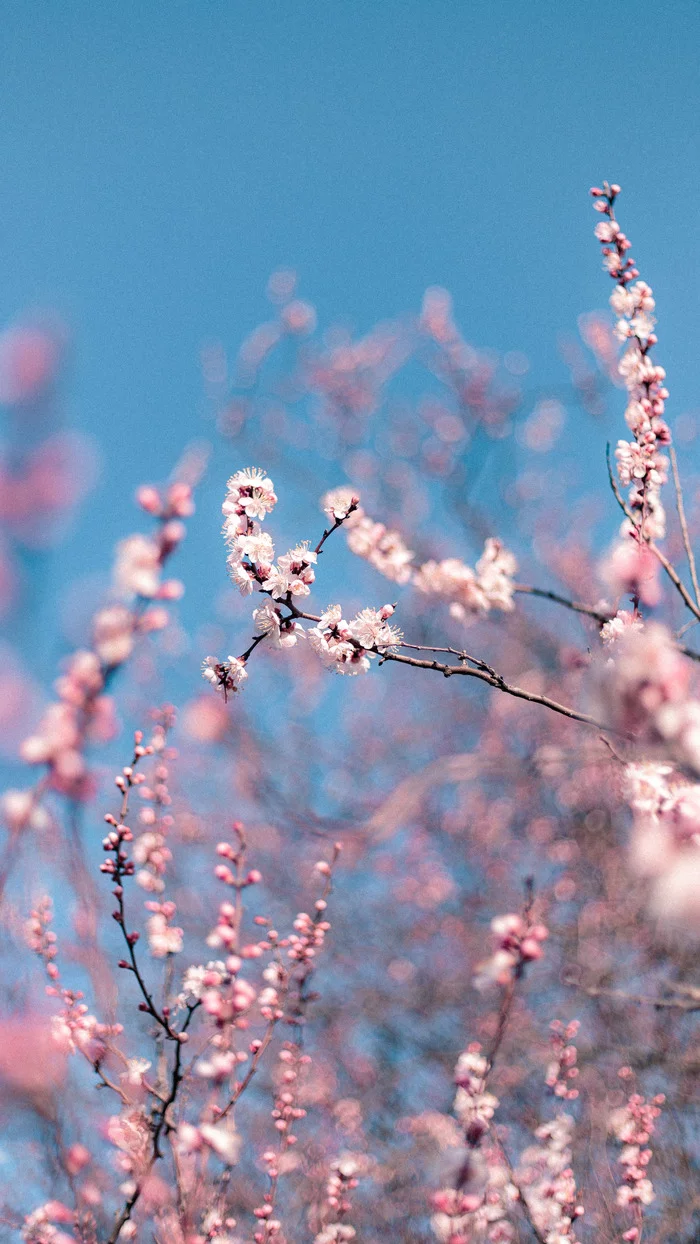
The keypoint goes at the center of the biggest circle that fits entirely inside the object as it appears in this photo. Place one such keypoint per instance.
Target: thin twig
(598, 615)
(574, 605)
(682, 520)
(495, 680)
(660, 1004)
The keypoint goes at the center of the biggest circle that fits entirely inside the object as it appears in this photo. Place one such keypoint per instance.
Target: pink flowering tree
(297, 959)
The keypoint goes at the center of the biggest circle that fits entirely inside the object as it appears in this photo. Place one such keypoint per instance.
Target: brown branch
(574, 605)
(692, 1003)
(257, 1057)
(499, 683)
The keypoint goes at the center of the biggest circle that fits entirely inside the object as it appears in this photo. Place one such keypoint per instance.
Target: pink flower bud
(149, 499)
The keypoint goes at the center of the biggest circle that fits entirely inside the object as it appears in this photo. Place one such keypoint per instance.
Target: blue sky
(161, 159)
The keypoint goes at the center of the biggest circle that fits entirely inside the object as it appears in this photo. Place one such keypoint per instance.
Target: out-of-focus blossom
(29, 359)
(471, 592)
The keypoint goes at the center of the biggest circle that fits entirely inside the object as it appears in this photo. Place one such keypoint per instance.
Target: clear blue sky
(159, 160)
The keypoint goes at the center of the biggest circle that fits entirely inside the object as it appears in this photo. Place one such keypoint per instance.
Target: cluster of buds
(302, 947)
(41, 938)
(343, 1179)
(632, 1126)
(150, 851)
(174, 501)
(310, 935)
(310, 932)
(81, 714)
(640, 463)
(545, 1176)
(223, 994)
(382, 548)
(562, 1069)
(286, 1113)
(225, 997)
(163, 938)
(75, 1030)
(518, 942)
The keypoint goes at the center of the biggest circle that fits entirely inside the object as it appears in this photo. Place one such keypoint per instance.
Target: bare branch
(683, 522)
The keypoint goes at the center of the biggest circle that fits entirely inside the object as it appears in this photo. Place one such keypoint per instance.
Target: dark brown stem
(495, 680)
(574, 605)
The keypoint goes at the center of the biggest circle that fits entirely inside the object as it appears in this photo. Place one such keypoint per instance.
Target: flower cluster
(279, 632)
(617, 626)
(348, 647)
(640, 463)
(250, 495)
(382, 548)
(547, 1181)
(224, 676)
